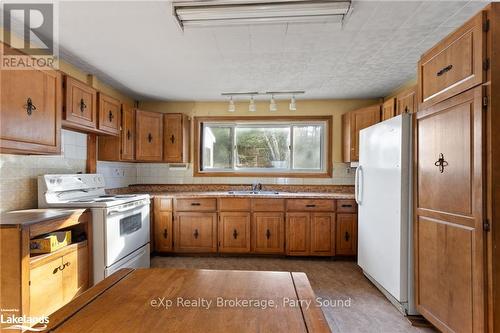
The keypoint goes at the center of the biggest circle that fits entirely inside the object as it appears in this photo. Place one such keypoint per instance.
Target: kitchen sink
(253, 192)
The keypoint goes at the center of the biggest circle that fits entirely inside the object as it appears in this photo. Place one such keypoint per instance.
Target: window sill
(327, 174)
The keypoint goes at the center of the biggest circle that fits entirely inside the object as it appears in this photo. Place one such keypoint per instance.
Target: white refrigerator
(383, 193)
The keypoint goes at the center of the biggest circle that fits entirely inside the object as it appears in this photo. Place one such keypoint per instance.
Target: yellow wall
(304, 107)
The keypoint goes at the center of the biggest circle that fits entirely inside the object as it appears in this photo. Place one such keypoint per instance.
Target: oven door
(126, 231)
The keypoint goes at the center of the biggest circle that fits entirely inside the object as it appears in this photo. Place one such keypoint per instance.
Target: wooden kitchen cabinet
(352, 123)
(163, 224)
(407, 101)
(268, 232)
(234, 232)
(149, 136)
(346, 234)
(195, 232)
(121, 147)
(108, 114)
(80, 105)
(298, 228)
(322, 234)
(176, 138)
(30, 112)
(389, 109)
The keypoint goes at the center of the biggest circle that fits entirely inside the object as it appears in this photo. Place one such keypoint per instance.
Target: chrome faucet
(256, 187)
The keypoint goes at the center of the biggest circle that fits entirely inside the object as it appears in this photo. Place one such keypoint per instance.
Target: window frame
(324, 172)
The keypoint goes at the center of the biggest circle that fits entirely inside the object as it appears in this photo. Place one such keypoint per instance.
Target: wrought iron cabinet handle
(196, 233)
(441, 163)
(29, 106)
(235, 234)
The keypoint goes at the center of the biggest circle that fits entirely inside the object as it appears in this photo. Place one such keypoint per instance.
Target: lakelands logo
(23, 323)
(30, 36)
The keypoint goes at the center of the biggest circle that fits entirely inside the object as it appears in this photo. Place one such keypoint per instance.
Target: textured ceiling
(138, 47)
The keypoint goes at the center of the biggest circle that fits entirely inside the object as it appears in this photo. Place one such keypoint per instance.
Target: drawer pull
(444, 70)
(268, 234)
(235, 234)
(195, 204)
(196, 233)
(110, 116)
(310, 206)
(346, 206)
(165, 233)
(30, 107)
(347, 236)
(83, 106)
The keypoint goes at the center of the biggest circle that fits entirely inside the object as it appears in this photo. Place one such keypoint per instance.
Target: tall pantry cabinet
(456, 229)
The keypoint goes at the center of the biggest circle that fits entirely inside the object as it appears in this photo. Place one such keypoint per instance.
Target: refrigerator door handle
(358, 191)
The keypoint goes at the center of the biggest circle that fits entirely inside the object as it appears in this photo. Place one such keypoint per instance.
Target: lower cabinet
(268, 232)
(195, 232)
(347, 234)
(62, 278)
(234, 232)
(162, 224)
(310, 234)
(322, 234)
(298, 226)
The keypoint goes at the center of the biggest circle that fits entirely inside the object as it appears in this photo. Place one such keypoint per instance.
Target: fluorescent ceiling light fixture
(200, 13)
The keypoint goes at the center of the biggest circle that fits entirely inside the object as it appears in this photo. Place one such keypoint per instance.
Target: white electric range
(120, 223)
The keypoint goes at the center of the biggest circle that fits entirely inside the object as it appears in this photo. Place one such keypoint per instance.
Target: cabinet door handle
(347, 236)
(406, 109)
(310, 206)
(150, 137)
(110, 116)
(29, 106)
(268, 234)
(128, 135)
(441, 163)
(172, 139)
(165, 233)
(235, 234)
(195, 204)
(196, 233)
(83, 106)
(444, 70)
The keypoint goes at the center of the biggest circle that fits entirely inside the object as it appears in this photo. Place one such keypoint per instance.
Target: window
(257, 146)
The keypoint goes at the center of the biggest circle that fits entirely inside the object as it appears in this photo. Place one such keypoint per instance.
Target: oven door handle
(119, 211)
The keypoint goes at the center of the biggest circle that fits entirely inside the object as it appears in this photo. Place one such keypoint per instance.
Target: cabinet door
(352, 123)
(176, 138)
(128, 133)
(75, 273)
(46, 294)
(407, 102)
(322, 234)
(449, 236)
(163, 230)
(298, 233)
(149, 136)
(195, 232)
(30, 111)
(389, 109)
(268, 232)
(80, 104)
(109, 114)
(347, 234)
(234, 232)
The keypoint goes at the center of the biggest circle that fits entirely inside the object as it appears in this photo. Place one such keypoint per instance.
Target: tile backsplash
(117, 174)
(18, 173)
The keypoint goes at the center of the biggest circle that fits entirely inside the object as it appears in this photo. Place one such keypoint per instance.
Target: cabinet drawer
(192, 205)
(346, 206)
(324, 205)
(268, 205)
(163, 204)
(234, 204)
(454, 65)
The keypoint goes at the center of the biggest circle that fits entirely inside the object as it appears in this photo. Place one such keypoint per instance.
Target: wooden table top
(182, 300)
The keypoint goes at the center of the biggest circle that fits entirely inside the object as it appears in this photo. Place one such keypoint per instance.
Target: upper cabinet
(109, 114)
(176, 138)
(80, 105)
(406, 101)
(389, 109)
(454, 65)
(352, 123)
(122, 147)
(30, 111)
(149, 136)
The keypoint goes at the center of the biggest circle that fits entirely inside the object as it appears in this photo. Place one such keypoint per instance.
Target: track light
(272, 106)
(293, 104)
(231, 108)
(251, 106)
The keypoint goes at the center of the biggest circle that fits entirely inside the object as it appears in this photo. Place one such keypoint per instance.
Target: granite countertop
(31, 216)
(228, 194)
